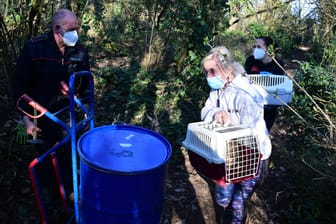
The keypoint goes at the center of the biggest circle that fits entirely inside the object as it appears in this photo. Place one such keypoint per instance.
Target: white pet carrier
(235, 147)
(276, 89)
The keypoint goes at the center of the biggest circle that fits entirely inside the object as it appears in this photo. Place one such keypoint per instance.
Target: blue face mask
(215, 82)
(259, 53)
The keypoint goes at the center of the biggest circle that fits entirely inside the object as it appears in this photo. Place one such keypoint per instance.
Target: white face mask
(70, 38)
(259, 53)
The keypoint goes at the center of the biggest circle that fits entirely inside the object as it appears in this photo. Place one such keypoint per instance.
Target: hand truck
(71, 130)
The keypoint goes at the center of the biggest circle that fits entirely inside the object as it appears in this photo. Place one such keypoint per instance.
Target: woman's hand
(222, 117)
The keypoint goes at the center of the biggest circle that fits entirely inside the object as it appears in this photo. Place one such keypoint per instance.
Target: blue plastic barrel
(123, 170)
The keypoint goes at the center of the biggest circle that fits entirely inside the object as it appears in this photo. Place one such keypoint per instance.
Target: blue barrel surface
(122, 175)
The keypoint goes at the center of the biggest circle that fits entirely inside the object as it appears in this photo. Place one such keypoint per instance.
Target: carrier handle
(33, 104)
(225, 125)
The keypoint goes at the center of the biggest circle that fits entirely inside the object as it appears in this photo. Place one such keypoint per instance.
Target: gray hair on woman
(224, 56)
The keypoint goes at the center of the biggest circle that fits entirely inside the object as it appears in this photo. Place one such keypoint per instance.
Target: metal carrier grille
(276, 89)
(242, 158)
(265, 80)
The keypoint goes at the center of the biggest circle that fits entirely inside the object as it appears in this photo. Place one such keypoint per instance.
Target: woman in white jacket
(234, 101)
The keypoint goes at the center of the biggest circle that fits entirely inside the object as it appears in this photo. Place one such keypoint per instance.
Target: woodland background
(146, 55)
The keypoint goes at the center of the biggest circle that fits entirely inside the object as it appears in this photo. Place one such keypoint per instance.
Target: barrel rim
(84, 158)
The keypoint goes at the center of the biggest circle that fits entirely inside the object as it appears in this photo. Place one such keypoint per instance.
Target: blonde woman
(233, 101)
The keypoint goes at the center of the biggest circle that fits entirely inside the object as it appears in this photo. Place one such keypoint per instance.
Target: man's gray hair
(61, 16)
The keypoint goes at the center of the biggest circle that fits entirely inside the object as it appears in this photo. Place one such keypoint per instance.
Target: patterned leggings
(238, 193)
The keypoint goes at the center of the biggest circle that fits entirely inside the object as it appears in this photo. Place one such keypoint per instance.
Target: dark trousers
(270, 114)
(51, 134)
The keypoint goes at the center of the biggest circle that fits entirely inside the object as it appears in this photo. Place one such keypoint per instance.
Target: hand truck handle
(33, 104)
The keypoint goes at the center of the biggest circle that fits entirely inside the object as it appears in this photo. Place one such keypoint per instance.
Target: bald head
(65, 19)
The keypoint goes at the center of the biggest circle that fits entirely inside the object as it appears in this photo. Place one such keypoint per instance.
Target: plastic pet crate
(276, 89)
(223, 154)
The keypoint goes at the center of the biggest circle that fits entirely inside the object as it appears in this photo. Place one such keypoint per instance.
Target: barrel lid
(124, 148)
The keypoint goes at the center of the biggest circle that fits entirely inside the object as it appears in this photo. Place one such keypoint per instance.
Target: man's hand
(64, 89)
(31, 127)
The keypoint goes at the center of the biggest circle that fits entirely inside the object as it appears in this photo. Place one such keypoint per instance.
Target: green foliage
(257, 30)
(240, 47)
(320, 85)
(312, 157)
(284, 40)
(113, 86)
(194, 79)
(329, 56)
(309, 202)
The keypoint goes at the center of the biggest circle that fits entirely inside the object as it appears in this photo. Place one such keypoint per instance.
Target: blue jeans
(238, 193)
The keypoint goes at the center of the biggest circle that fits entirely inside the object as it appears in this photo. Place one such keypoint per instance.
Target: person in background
(233, 101)
(262, 63)
(45, 62)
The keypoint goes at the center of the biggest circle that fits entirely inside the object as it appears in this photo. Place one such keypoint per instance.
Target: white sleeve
(252, 115)
(210, 108)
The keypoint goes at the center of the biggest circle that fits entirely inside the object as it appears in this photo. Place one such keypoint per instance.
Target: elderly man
(45, 64)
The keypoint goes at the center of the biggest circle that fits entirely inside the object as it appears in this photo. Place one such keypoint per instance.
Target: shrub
(312, 157)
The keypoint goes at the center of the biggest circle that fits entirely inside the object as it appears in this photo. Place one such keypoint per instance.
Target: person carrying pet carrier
(233, 101)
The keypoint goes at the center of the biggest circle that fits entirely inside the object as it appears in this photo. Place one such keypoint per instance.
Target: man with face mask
(44, 64)
(262, 63)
